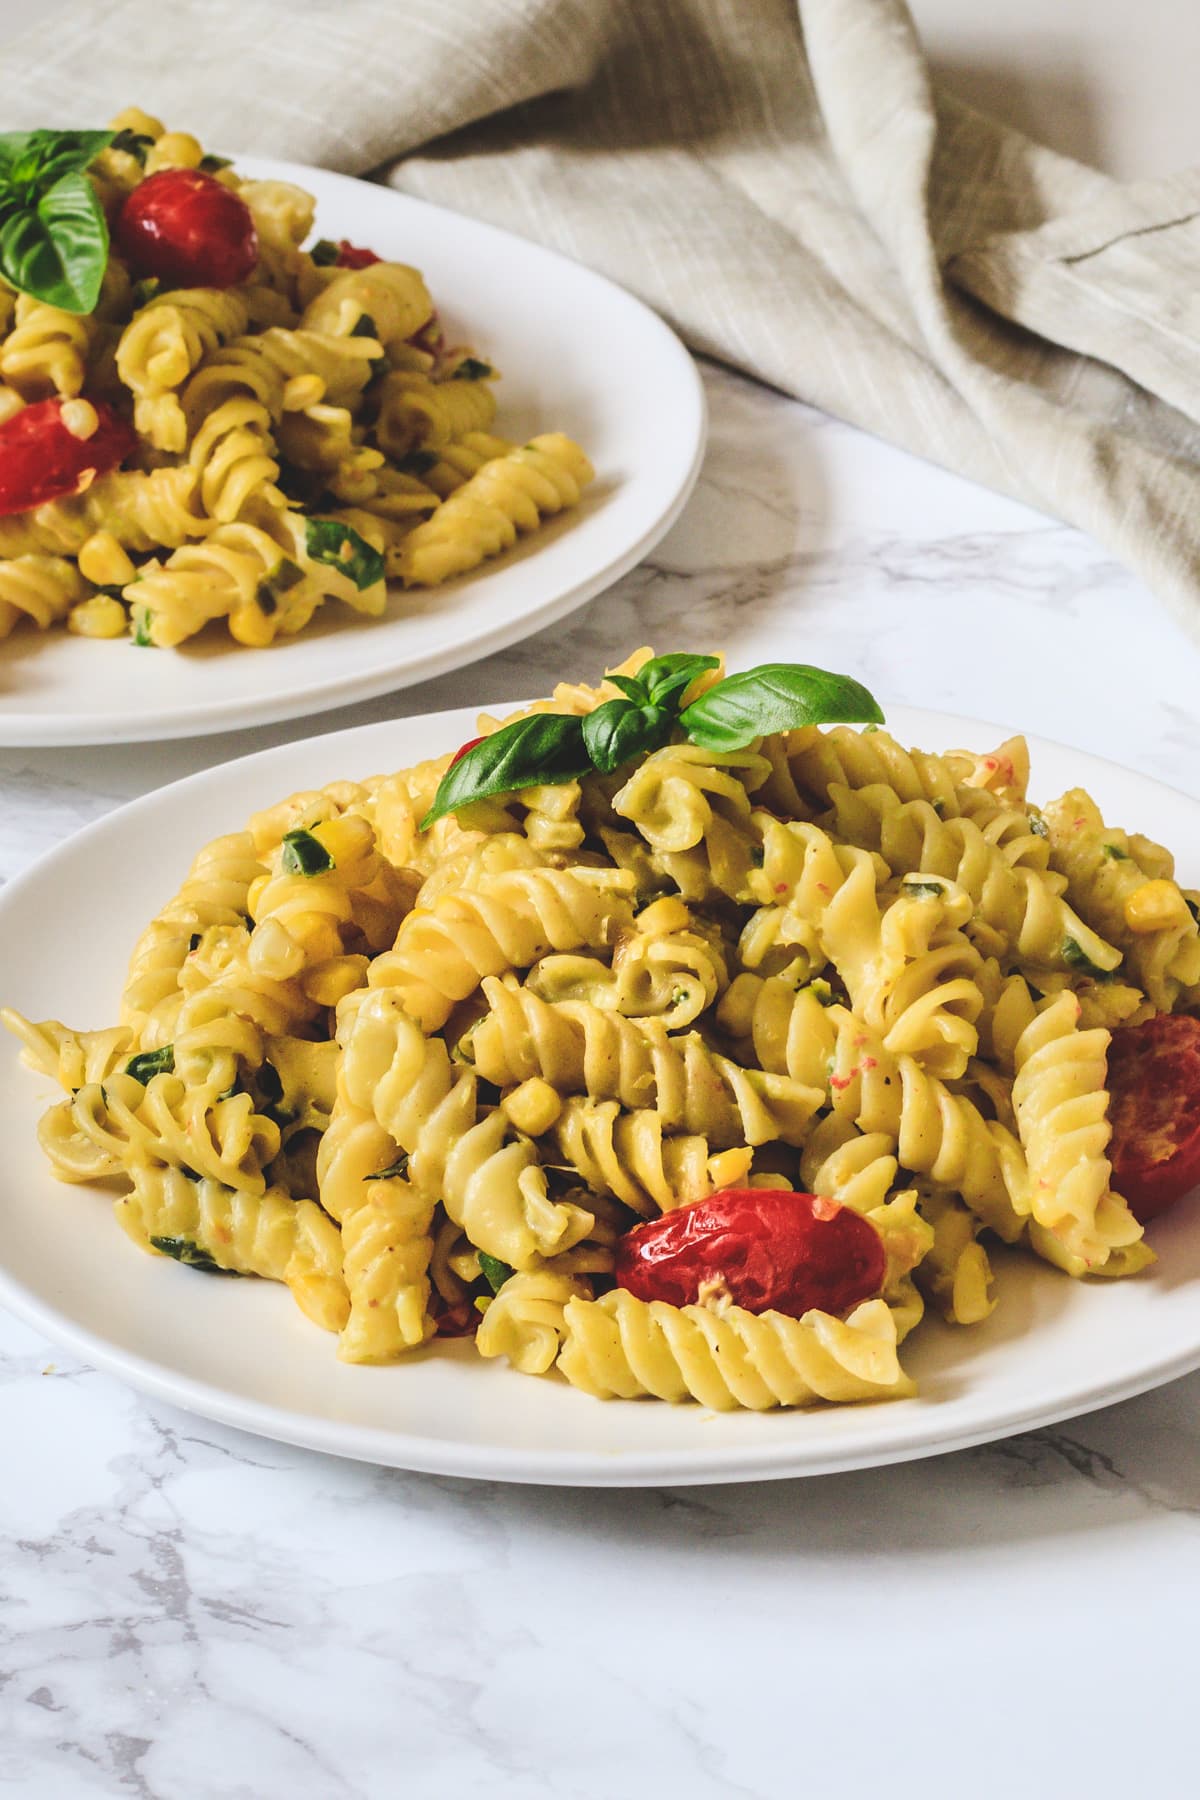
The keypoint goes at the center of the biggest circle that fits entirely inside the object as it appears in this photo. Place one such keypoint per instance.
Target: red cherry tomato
(187, 229)
(770, 1249)
(40, 459)
(351, 256)
(463, 748)
(1154, 1107)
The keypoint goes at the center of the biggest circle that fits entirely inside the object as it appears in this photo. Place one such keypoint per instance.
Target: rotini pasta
(304, 394)
(503, 1072)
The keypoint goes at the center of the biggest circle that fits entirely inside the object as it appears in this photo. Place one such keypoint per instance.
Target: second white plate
(241, 1352)
(577, 354)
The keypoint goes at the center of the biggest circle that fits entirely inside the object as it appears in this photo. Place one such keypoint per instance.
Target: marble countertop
(188, 1613)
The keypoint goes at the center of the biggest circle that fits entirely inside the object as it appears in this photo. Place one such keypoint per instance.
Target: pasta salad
(686, 1036)
(202, 420)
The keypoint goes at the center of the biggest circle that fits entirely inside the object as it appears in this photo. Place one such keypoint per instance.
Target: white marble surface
(187, 1612)
(190, 1614)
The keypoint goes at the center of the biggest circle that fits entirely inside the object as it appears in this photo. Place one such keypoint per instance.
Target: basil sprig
(553, 748)
(53, 234)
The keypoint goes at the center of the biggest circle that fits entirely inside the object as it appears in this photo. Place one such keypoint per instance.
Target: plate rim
(27, 730)
(913, 1438)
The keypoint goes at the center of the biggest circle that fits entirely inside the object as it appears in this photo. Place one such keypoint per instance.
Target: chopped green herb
(1076, 957)
(303, 854)
(394, 1171)
(213, 164)
(1192, 907)
(1115, 855)
(481, 1302)
(135, 144)
(194, 941)
(822, 990)
(144, 290)
(333, 542)
(923, 890)
(366, 327)
(325, 253)
(1038, 825)
(495, 1272)
(471, 368)
(150, 1063)
(939, 807)
(286, 574)
(141, 619)
(184, 1251)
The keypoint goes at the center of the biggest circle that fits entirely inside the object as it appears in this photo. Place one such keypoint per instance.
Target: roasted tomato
(352, 256)
(1154, 1107)
(765, 1249)
(56, 448)
(187, 229)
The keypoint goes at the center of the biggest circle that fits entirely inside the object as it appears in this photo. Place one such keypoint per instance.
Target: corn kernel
(348, 839)
(103, 560)
(80, 418)
(667, 914)
(254, 894)
(1156, 906)
(534, 1106)
(331, 981)
(99, 617)
(727, 1169)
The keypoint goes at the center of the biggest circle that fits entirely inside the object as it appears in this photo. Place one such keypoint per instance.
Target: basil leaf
(325, 253)
(303, 854)
(618, 731)
(212, 165)
(1115, 855)
(774, 697)
(57, 249)
(666, 678)
(150, 1063)
(330, 541)
(922, 890)
(184, 1251)
(1038, 825)
(631, 687)
(1076, 957)
(544, 749)
(142, 622)
(365, 326)
(495, 1272)
(31, 159)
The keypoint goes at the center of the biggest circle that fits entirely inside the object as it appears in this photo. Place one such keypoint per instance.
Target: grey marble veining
(187, 1611)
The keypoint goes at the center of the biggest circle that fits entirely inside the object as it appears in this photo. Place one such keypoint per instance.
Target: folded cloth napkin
(777, 177)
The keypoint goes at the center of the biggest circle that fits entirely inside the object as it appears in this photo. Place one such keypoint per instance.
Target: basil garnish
(923, 890)
(325, 253)
(53, 234)
(330, 541)
(1115, 855)
(303, 854)
(552, 748)
(495, 1272)
(775, 697)
(141, 619)
(184, 1251)
(394, 1169)
(135, 144)
(150, 1063)
(544, 749)
(212, 165)
(1076, 957)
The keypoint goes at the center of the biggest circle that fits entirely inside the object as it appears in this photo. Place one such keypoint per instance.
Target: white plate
(577, 354)
(241, 1352)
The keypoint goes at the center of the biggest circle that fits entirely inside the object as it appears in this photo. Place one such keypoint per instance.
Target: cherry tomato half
(463, 748)
(187, 229)
(768, 1248)
(1154, 1108)
(42, 459)
(352, 256)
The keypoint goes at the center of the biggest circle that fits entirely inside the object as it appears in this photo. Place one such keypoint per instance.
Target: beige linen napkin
(777, 177)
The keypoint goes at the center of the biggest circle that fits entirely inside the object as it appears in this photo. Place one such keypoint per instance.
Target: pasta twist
(660, 969)
(46, 351)
(42, 589)
(692, 806)
(390, 297)
(162, 345)
(140, 511)
(630, 1156)
(956, 1274)
(269, 1235)
(508, 495)
(443, 950)
(72, 1058)
(1018, 911)
(232, 575)
(817, 760)
(103, 1130)
(214, 893)
(283, 370)
(581, 1049)
(1061, 1103)
(619, 1346)
(233, 457)
(524, 1323)
(417, 414)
